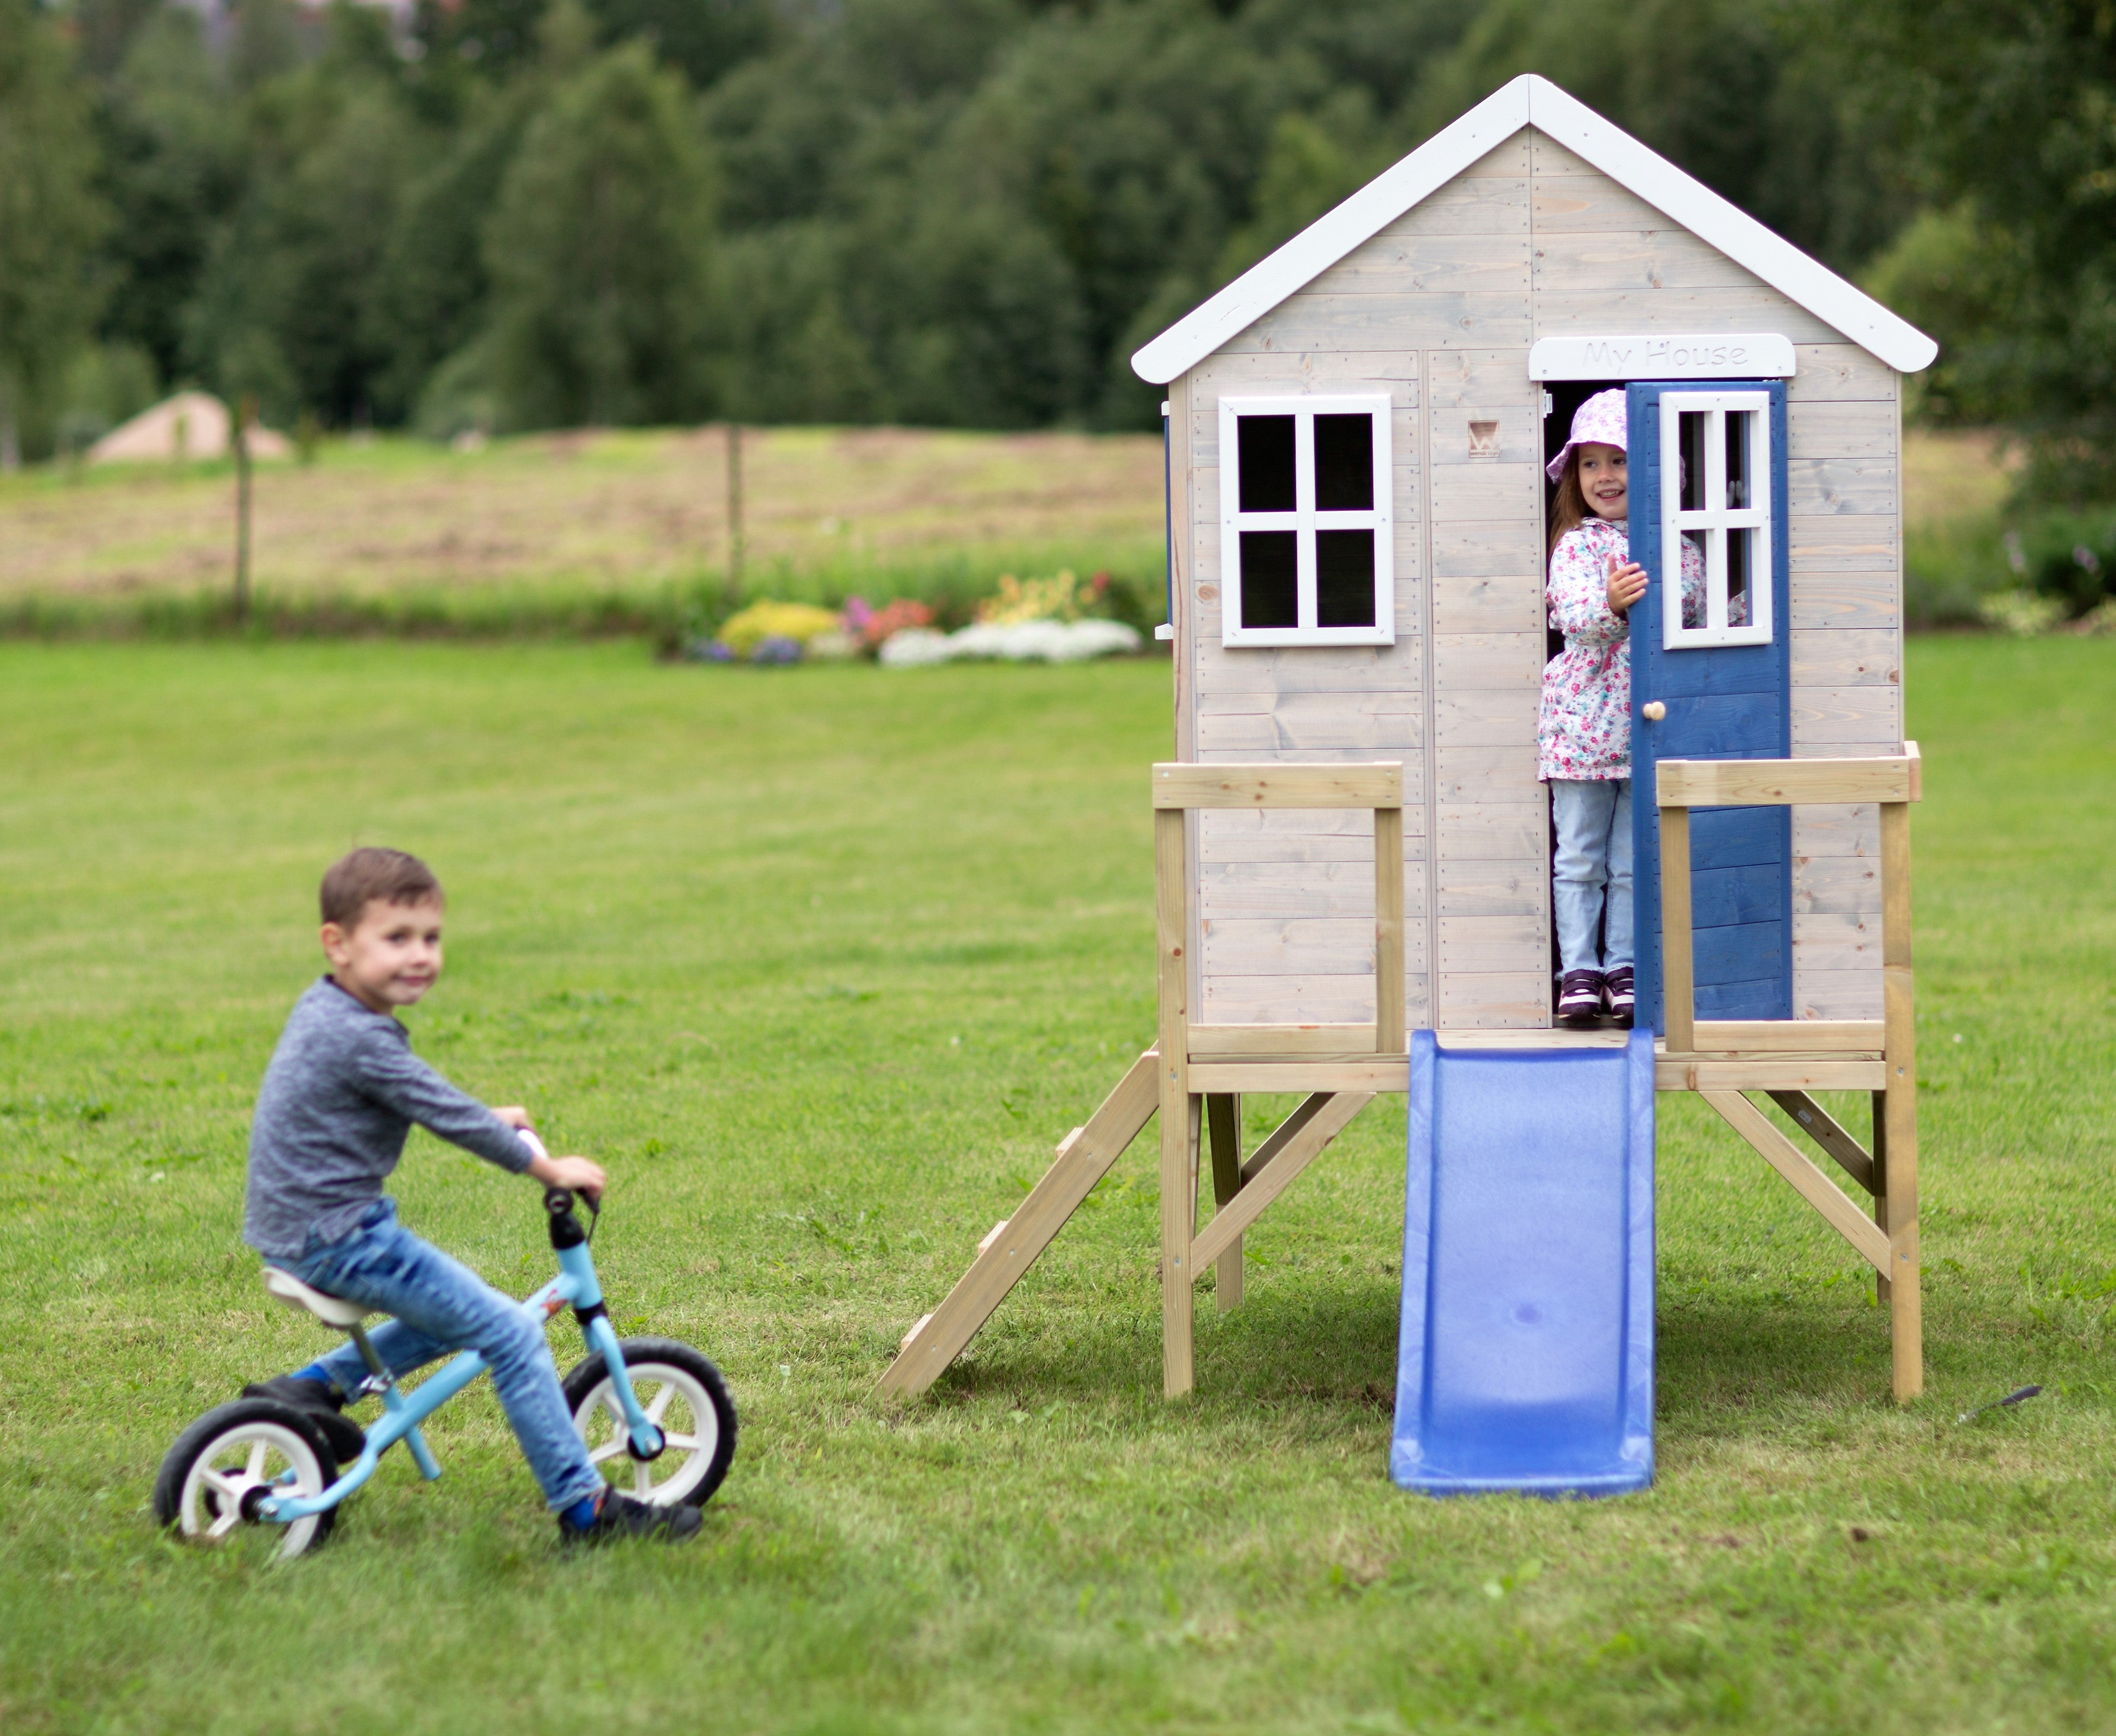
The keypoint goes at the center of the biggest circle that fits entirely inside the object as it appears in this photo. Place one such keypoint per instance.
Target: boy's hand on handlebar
(1626, 583)
(575, 1174)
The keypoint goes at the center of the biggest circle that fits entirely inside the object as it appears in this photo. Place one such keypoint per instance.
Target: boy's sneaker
(1616, 992)
(1580, 997)
(621, 1516)
(321, 1405)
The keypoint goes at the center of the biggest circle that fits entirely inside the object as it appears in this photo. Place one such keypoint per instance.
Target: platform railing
(1721, 1059)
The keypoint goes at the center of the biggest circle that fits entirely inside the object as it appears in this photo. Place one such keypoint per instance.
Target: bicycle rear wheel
(228, 1461)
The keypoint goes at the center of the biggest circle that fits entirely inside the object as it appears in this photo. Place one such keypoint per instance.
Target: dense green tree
(51, 220)
(2006, 110)
(598, 249)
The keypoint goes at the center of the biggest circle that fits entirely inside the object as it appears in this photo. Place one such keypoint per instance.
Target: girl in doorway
(1584, 737)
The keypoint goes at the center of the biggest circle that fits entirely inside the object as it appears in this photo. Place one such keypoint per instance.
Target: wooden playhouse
(1352, 842)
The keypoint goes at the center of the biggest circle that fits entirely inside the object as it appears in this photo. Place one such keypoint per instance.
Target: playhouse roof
(1532, 101)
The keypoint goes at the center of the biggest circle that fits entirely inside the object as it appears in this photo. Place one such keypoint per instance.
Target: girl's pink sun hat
(1600, 421)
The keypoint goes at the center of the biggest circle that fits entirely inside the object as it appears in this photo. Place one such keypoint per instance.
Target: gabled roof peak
(1533, 101)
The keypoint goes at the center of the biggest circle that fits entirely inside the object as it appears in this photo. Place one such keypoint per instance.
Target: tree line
(522, 214)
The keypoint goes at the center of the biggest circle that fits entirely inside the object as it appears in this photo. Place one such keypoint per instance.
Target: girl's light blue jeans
(441, 1307)
(1593, 869)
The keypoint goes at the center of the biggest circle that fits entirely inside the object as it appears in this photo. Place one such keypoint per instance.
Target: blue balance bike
(656, 1415)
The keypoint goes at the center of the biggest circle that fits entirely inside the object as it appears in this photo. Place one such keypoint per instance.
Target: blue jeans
(440, 1306)
(1593, 866)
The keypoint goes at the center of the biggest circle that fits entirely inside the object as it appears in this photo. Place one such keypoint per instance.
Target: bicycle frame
(402, 1412)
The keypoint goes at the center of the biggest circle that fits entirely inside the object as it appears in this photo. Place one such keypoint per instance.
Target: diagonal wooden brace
(1297, 1142)
(1083, 1160)
(1822, 1127)
(1837, 1206)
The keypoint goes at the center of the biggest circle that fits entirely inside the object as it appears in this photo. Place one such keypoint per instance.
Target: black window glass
(1740, 557)
(1271, 583)
(1344, 578)
(1344, 464)
(1267, 463)
(1737, 458)
(1690, 425)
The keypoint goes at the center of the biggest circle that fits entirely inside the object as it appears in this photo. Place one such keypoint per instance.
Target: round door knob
(1653, 711)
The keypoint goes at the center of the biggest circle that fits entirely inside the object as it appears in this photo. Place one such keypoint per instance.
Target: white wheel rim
(676, 1402)
(250, 1455)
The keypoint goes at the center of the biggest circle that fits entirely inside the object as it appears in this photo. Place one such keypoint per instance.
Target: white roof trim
(1533, 101)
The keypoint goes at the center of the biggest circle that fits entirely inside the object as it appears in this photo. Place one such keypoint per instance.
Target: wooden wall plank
(1847, 657)
(1486, 774)
(1327, 370)
(1551, 158)
(1829, 542)
(1267, 733)
(1498, 662)
(1501, 603)
(1339, 323)
(1354, 668)
(1847, 939)
(1468, 204)
(1843, 428)
(1473, 717)
(1490, 832)
(1510, 159)
(1857, 600)
(1494, 889)
(1559, 313)
(1868, 715)
(1296, 1000)
(1590, 204)
(1506, 550)
(1838, 369)
(1841, 485)
(1473, 945)
(1293, 946)
(1838, 885)
(1313, 889)
(1491, 491)
(1480, 434)
(1427, 264)
(1836, 994)
(1517, 1000)
(1836, 831)
(1668, 258)
(1483, 379)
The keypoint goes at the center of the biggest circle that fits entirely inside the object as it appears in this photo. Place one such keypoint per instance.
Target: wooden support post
(1178, 1121)
(1678, 992)
(1821, 1126)
(1897, 1119)
(1297, 1143)
(1880, 1101)
(1388, 932)
(1836, 1205)
(1223, 1116)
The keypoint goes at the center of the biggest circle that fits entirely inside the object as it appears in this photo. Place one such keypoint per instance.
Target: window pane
(1689, 444)
(1739, 423)
(1345, 577)
(1267, 463)
(1344, 464)
(1271, 587)
(1740, 566)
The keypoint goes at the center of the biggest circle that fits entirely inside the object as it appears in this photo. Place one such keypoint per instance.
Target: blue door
(1707, 465)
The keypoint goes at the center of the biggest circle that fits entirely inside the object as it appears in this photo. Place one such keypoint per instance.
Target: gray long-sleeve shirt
(338, 1098)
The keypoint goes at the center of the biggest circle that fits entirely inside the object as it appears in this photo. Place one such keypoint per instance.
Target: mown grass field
(822, 961)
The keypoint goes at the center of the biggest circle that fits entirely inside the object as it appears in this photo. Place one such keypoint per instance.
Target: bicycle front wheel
(683, 1396)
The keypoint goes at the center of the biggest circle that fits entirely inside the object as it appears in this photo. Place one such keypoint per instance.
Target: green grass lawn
(822, 961)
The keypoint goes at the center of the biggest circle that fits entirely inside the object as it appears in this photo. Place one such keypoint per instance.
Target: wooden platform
(1196, 1075)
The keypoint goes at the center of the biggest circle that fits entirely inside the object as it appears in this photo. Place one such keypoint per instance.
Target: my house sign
(1704, 356)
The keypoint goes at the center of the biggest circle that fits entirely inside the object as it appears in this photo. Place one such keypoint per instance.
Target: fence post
(246, 413)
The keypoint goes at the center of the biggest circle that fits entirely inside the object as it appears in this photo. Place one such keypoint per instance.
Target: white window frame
(1305, 522)
(1716, 516)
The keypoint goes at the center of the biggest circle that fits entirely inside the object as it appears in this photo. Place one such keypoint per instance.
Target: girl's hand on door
(1626, 583)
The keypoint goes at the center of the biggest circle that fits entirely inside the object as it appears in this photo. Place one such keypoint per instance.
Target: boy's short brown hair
(360, 878)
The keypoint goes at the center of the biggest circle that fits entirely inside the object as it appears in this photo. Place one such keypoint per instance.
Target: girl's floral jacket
(1585, 727)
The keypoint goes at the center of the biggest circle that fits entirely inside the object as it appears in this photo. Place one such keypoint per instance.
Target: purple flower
(776, 648)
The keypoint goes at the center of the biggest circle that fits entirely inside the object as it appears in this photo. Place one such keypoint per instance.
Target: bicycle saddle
(331, 1310)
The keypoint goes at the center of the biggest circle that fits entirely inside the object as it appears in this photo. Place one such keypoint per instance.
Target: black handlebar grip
(566, 1231)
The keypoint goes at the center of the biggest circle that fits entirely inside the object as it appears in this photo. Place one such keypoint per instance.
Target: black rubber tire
(640, 1356)
(219, 1421)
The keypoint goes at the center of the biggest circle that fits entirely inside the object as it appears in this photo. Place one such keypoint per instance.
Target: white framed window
(1715, 489)
(1306, 548)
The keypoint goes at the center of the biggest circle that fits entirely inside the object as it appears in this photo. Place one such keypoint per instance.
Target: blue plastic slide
(1526, 1361)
